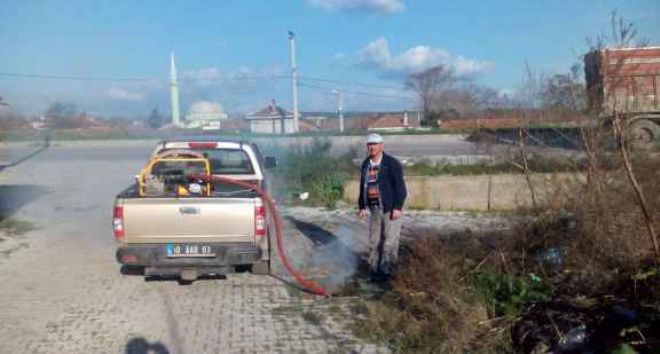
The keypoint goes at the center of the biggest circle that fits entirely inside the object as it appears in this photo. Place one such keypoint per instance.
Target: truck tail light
(118, 223)
(259, 218)
(202, 145)
(129, 258)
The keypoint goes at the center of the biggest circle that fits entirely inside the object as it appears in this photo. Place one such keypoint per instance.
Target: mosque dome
(205, 110)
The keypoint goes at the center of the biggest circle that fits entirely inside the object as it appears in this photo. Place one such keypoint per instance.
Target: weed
(509, 295)
(329, 189)
(539, 164)
(283, 310)
(13, 226)
(312, 317)
(334, 309)
(294, 292)
(431, 306)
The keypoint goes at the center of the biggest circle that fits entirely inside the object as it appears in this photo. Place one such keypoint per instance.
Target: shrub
(328, 189)
(509, 295)
(314, 170)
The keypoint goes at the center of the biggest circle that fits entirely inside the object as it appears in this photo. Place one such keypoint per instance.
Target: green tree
(156, 119)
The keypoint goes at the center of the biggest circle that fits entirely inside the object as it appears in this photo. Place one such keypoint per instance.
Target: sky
(111, 58)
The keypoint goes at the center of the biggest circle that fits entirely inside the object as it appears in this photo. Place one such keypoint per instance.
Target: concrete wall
(507, 191)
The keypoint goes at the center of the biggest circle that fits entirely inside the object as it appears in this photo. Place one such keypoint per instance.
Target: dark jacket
(391, 186)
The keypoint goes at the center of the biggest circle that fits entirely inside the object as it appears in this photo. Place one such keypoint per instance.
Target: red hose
(305, 283)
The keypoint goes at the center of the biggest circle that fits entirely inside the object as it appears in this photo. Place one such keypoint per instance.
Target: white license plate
(179, 250)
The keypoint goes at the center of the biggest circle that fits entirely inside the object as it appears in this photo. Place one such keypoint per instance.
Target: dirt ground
(63, 292)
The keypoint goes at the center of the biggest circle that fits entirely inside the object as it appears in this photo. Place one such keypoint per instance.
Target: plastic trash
(575, 337)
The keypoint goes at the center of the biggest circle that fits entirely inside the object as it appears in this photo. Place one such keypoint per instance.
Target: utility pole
(340, 109)
(294, 79)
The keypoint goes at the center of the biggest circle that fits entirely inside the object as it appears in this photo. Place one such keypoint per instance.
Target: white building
(268, 120)
(205, 115)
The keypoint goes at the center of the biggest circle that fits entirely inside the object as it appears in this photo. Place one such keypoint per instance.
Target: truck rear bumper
(155, 255)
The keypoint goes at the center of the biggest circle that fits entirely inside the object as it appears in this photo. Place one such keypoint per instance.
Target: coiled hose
(307, 284)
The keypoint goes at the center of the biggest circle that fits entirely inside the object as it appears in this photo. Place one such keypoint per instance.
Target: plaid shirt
(373, 194)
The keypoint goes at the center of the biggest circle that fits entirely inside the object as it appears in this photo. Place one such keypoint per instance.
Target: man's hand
(396, 213)
(363, 214)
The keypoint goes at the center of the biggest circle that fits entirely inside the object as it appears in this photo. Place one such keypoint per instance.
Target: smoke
(338, 260)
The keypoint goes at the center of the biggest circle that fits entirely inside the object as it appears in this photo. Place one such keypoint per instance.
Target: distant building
(205, 115)
(268, 120)
(393, 121)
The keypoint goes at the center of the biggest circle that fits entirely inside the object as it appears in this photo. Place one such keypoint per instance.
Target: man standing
(382, 193)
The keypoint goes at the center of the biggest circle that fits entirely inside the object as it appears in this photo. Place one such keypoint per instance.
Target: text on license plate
(174, 250)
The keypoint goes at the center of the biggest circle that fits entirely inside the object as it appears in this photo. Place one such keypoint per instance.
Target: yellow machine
(167, 173)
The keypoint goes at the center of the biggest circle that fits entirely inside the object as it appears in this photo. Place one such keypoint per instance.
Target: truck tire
(643, 134)
(261, 267)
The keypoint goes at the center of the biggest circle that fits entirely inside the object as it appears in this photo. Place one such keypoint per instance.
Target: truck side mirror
(270, 162)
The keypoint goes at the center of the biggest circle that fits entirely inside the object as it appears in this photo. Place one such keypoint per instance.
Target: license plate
(174, 251)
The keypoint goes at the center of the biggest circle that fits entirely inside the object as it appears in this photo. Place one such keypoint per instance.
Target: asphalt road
(407, 146)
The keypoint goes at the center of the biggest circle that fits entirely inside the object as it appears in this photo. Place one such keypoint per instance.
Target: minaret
(174, 92)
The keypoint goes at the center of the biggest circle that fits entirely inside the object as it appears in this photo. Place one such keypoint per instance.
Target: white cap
(374, 139)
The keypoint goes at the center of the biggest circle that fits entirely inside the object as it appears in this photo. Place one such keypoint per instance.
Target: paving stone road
(62, 291)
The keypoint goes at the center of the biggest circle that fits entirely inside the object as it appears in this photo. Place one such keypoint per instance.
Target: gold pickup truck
(210, 230)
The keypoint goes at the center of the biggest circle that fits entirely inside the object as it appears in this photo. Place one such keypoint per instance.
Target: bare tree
(622, 36)
(529, 93)
(63, 115)
(466, 99)
(10, 119)
(620, 137)
(564, 92)
(61, 110)
(429, 83)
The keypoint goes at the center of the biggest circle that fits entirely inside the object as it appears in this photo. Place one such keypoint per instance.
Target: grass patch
(312, 317)
(284, 310)
(17, 227)
(537, 164)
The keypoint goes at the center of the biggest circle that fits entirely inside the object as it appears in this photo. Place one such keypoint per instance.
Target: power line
(240, 78)
(74, 78)
(308, 78)
(114, 79)
(328, 91)
(189, 79)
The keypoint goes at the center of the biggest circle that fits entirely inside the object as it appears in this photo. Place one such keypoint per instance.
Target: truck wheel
(261, 268)
(643, 134)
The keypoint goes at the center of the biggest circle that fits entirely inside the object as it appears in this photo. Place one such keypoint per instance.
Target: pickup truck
(193, 235)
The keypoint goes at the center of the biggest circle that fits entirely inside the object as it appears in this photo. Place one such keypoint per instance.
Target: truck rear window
(229, 161)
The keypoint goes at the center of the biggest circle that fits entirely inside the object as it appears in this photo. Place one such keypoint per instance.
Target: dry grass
(586, 240)
(432, 306)
(608, 239)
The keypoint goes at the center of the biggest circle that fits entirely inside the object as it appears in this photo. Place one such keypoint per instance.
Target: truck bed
(624, 79)
(226, 216)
